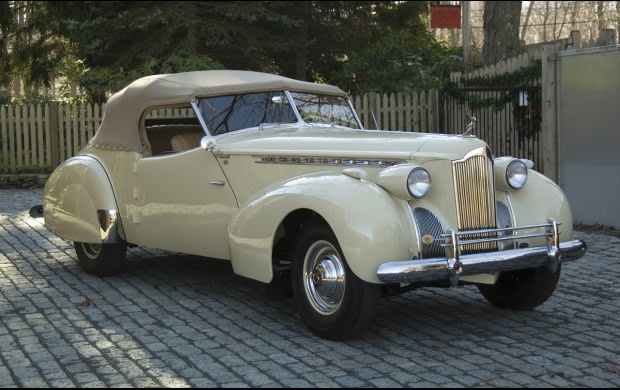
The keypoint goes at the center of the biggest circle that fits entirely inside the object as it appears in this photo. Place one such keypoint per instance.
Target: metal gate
(507, 118)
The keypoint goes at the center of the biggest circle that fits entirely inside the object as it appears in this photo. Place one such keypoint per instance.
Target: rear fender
(371, 225)
(79, 203)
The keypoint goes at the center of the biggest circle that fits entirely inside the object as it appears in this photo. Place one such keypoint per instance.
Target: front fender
(371, 225)
(537, 201)
(79, 203)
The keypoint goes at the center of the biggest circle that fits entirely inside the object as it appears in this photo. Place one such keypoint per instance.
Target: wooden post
(466, 32)
(575, 38)
(434, 107)
(4, 157)
(607, 37)
(549, 111)
(54, 141)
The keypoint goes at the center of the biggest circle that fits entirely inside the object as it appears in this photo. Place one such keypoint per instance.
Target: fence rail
(37, 138)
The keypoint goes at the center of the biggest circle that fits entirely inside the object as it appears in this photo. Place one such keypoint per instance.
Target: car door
(184, 203)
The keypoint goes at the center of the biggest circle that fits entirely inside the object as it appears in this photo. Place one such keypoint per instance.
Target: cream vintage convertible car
(279, 177)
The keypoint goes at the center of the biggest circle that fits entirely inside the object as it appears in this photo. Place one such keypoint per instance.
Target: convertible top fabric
(119, 129)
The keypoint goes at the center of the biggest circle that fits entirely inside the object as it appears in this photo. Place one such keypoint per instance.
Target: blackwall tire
(101, 259)
(523, 289)
(333, 302)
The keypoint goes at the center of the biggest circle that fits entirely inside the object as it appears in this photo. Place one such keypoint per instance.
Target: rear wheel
(333, 302)
(522, 289)
(101, 259)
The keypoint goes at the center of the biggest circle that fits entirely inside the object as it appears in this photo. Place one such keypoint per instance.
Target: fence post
(440, 111)
(54, 142)
(434, 105)
(575, 38)
(374, 113)
(606, 37)
(549, 111)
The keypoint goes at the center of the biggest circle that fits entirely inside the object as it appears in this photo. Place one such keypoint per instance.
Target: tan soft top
(119, 126)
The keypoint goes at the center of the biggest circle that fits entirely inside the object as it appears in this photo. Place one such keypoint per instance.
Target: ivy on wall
(522, 77)
(519, 90)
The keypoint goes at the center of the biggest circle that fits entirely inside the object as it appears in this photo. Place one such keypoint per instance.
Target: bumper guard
(455, 265)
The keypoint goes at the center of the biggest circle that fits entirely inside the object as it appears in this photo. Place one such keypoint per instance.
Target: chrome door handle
(217, 183)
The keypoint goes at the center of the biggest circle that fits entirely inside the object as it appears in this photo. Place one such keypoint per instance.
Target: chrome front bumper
(454, 265)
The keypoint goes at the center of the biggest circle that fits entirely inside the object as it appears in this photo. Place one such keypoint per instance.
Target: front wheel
(101, 259)
(522, 289)
(333, 302)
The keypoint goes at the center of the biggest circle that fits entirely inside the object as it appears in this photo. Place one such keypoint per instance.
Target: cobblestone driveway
(178, 321)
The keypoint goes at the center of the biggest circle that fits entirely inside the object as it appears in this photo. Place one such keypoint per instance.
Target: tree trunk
(301, 51)
(618, 17)
(501, 30)
(558, 33)
(600, 15)
(527, 20)
(546, 20)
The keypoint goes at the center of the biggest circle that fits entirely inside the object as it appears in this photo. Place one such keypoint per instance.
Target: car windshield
(223, 114)
(327, 109)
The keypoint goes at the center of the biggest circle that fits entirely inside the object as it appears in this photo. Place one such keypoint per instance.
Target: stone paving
(173, 320)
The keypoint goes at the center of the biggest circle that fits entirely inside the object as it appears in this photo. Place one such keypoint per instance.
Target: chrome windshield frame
(201, 119)
(291, 101)
(346, 99)
(357, 119)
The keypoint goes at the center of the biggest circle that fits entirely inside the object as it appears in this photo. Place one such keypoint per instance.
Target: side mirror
(279, 99)
(208, 143)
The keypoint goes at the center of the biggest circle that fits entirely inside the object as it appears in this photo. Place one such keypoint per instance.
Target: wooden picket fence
(414, 112)
(37, 138)
(503, 128)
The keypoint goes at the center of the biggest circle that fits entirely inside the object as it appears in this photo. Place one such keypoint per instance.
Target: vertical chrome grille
(428, 225)
(475, 198)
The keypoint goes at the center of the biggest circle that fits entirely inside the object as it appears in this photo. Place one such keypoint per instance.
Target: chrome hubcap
(324, 277)
(91, 250)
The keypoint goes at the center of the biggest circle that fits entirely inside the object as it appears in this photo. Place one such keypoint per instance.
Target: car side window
(223, 114)
(171, 130)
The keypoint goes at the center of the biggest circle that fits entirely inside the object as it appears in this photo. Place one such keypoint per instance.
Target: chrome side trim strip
(334, 161)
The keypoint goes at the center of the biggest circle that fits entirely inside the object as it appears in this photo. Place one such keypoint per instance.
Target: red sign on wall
(445, 16)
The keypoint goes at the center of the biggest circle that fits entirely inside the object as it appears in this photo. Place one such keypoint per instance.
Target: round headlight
(516, 174)
(418, 182)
